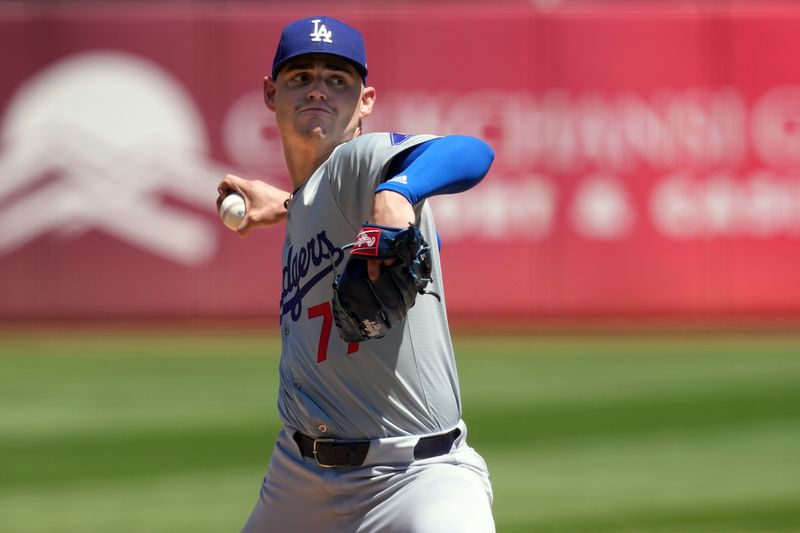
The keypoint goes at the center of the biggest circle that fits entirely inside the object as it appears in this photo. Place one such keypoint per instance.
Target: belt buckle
(314, 452)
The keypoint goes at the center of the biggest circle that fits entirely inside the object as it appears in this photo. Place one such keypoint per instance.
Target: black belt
(330, 453)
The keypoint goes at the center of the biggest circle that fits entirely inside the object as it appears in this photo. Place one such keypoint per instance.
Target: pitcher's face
(319, 96)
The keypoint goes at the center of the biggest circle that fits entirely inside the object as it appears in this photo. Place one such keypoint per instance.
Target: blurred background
(623, 285)
(647, 154)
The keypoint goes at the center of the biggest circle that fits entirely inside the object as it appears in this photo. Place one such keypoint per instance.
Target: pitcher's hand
(264, 202)
(393, 210)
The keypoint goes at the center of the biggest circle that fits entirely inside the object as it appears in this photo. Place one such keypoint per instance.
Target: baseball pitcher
(372, 437)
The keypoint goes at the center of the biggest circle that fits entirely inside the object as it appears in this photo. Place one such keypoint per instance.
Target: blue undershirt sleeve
(443, 165)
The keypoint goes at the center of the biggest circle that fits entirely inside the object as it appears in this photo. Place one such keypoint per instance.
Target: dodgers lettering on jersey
(404, 383)
(317, 252)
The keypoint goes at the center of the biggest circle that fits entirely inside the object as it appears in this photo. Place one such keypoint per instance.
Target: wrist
(392, 209)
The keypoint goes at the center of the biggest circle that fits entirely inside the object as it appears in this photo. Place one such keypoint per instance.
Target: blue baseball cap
(320, 35)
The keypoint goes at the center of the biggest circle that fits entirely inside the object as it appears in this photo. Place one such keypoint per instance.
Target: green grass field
(156, 432)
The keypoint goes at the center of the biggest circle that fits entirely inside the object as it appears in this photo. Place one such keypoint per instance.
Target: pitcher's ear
(367, 101)
(269, 93)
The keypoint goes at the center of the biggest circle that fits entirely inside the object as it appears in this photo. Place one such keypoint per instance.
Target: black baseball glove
(365, 309)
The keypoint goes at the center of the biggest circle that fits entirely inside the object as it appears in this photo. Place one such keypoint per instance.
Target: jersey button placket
(288, 225)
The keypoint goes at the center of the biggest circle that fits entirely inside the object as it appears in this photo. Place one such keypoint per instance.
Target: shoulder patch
(398, 138)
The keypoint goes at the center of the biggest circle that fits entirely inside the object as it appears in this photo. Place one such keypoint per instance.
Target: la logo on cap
(320, 33)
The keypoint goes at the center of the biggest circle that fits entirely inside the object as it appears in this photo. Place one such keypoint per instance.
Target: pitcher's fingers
(229, 184)
(374, 269)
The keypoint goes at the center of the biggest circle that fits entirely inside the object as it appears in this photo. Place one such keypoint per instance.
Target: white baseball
(232, 211)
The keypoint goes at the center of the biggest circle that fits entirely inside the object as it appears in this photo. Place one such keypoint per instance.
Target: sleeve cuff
(398, 187)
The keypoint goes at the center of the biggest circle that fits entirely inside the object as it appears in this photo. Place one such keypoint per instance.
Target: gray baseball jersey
(402, 384)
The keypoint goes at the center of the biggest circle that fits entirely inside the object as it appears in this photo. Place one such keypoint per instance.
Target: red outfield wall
(648, 158)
